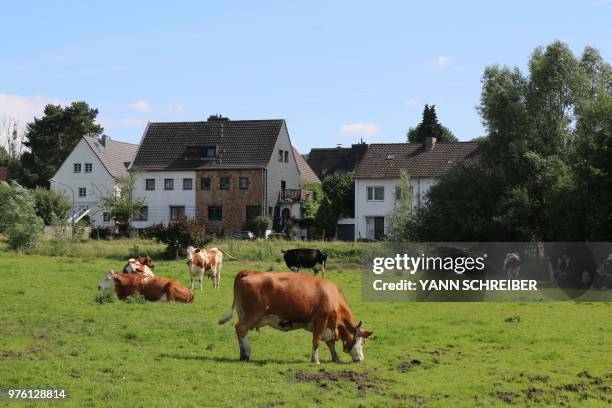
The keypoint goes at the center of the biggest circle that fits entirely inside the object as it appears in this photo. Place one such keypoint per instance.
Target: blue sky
(336, 71)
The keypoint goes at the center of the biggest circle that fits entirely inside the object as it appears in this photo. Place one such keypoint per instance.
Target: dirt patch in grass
(363, 380)
(409, 365)
(9, 355)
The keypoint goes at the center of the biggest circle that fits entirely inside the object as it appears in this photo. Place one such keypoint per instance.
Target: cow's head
(108, 282)
(355, 348)
(133, 266)
(190, 251)
(147, 261)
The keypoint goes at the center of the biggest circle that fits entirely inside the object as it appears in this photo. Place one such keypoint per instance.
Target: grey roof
(114, 155)
(239, 144)
(326, 161)
(306, 173)
(388, 159)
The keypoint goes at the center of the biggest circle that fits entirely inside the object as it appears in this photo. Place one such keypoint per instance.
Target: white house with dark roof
(222, 172)
(90, 171)
(377, 177)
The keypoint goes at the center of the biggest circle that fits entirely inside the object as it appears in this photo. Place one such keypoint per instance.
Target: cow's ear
(359, 325)
(366, 334)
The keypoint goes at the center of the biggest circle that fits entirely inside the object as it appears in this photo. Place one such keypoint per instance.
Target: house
(377, 177)
(307, 175)
(222, 172)
(335, 160)
(91, 171)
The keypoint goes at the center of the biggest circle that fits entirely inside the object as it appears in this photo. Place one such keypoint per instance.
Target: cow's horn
(359, 325)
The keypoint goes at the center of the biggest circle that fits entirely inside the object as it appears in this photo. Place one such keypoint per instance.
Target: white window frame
(83, 190)
(90, 166)
(76, 167)
(373, 190)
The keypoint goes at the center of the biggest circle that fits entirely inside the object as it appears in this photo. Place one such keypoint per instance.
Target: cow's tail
(229, 314)
(225, 253)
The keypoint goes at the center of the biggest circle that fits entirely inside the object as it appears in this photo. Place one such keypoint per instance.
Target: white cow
(205, 261)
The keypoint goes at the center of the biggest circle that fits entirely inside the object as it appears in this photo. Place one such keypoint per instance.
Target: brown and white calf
(140, 266)
(150, 287)
(289, 301)
(205, 261)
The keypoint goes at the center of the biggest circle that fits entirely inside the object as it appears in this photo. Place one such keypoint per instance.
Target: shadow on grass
(228, 359)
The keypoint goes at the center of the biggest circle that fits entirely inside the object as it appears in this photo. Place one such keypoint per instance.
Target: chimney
(430, 143)
(103, 138)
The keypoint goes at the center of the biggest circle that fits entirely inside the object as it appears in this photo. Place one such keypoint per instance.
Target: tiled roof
(387, 159)
(324, 161)
(114, 155)
(306, 173)
(238, 143)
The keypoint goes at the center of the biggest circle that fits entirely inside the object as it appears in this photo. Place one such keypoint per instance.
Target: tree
(19, 221)
(52, 138)
(12, 137)
(51, 206)
(401, 220)
(430, 127)
(543, 162)
(340, 190)
(122, 203)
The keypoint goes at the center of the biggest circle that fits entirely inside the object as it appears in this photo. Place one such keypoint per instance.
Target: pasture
(53, 335)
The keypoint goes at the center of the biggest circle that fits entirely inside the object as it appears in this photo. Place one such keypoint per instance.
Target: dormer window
(200, 152)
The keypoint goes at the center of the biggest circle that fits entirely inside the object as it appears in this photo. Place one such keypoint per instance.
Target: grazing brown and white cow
(205, 261)
(289, 301)
(151, 287)
(141, 266)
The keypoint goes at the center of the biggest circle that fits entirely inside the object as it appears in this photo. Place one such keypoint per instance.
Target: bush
(259, 225)
(137, 298)
(107, 296)
(52, 206)
(102, 232)
(180, 234)
(19, 221)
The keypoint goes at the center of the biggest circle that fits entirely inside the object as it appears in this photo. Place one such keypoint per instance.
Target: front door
(375, 227)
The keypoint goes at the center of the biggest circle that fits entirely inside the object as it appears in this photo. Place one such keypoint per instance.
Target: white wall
(97, 183)
(277, 171)
(365, 208)
(160, 200)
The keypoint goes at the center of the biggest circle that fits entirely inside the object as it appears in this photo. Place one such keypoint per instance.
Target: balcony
(290, 195)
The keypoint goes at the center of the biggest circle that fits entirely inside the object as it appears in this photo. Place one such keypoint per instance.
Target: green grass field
(53, 335)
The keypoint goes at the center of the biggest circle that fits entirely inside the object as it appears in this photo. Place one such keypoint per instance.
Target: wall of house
(97, 183)
(278, 171)
(233, 201)
(159, 200)
(365, 208)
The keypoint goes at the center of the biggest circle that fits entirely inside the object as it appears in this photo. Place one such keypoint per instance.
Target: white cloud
(361, 129)
(442, 62)
(413, 103)
(132, 122)
(23, 108)
(176, 109)
(141, 106)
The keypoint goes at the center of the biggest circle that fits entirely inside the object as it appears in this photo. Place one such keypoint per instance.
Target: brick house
(222, 172)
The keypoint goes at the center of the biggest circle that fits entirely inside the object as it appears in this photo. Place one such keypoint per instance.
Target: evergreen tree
(430, 127)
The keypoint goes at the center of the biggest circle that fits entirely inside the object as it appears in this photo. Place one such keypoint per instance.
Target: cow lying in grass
(205, 261)
(150, 287)
(140, 266)
(290, 301)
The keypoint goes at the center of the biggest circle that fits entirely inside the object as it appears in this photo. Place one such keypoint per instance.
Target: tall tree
(430, 127)
(52, 137)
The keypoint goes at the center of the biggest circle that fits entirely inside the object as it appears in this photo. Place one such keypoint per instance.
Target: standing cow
(205, 261)
(290, 301)
(305, 258)
(512, 265)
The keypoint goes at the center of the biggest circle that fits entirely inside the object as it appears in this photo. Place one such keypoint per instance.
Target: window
(200, 152)
(224, 183)
(168, 184)
(244, 183)
(270, 211)
(82, 192)
(142, 215)
(280, 155)
(205, 183)
(176, 211)
(187, 184)
(106, 216)
(376, 194)
(88, 167)
(286, 156)
(283, 184)
(252, 211)
(215, 213)
(76, 167)
(150, 184)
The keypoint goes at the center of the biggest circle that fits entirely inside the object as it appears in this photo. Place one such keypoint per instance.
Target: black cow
(305, 258)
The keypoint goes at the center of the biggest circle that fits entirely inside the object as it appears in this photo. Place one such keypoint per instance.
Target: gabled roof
(306, 173)
(387, 159)
(324, 161)
(238, 144)
(114, 155)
